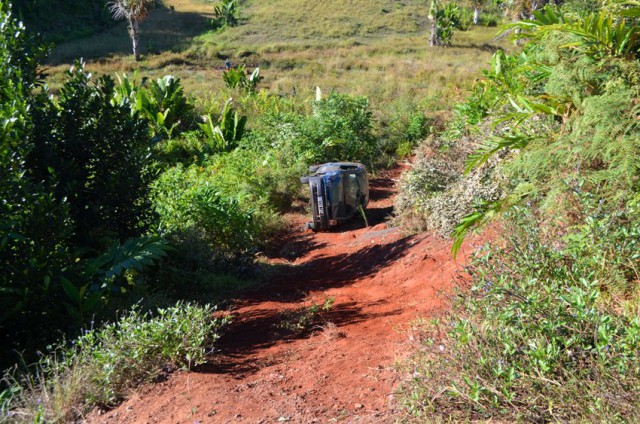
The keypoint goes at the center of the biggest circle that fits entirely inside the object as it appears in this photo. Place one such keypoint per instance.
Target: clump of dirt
(350, 295)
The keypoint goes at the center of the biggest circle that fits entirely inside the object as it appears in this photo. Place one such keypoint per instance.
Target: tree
(134, 11)
(444, 20)
(227, 13)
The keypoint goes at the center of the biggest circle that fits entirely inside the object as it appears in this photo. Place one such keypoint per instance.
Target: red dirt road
(343, 368)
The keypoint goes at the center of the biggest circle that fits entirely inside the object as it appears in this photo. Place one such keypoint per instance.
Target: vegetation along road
(155, 266)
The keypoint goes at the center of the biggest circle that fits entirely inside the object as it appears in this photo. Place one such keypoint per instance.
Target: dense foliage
(104, 364)
(74, 190)
(549, 330)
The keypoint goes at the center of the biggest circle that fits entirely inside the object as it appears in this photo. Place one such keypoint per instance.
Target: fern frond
(492, 146)
(133, 254)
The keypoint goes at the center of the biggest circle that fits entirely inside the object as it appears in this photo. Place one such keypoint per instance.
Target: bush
(188, 204)
(161, 102)
(537, 338)
(104, 365)
(435, 195)
(340, 130)
(74, 183)
(94, 155)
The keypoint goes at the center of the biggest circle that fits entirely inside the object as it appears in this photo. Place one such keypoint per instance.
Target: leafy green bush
(537, 338)
(102, 366)
(265, 177)
(162, 102)
(226, 13)
(339, 129)
(188, 204)
(73, 184)
(237, 78)
(94, 154)
(186, 148)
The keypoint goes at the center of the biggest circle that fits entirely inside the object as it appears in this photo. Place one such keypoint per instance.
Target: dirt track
(343, 368)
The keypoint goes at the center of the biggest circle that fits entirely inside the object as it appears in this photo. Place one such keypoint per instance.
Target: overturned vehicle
(338, 190)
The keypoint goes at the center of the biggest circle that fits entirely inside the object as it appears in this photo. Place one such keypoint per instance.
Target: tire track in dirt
(342, 367)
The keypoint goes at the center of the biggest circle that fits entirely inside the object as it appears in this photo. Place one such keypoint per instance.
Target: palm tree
(134, 11)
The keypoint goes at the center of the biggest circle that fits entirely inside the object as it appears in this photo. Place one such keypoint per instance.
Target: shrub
(266, 176)
(188, 203)
(102, 366)
(187, 148)
(338, 130)
(403, 127)
(237, 78)
(435, 195)
(162, 102)
(536, 338)
(94, 155)
(35, 226)
(74, 184)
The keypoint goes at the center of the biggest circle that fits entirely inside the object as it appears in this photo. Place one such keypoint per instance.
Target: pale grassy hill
(375, 48)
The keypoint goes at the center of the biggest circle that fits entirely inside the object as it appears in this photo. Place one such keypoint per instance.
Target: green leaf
(70, 290)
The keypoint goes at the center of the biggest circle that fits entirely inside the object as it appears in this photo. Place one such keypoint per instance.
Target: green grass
(374, 48)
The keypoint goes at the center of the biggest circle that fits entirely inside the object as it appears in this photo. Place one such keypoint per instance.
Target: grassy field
(374, 48)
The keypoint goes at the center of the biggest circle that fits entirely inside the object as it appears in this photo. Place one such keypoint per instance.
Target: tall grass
(103, 365)
(374, 48)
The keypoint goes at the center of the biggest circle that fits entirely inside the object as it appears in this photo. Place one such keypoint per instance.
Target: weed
(303, 319)
(103, 365)
(536, 338)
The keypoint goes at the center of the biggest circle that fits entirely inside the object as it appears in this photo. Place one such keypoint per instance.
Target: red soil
(343, 367)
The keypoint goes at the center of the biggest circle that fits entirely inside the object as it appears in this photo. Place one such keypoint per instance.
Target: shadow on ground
(287, 290)
(163, 30)
(258, 328)
(484, 47)
(260, 331)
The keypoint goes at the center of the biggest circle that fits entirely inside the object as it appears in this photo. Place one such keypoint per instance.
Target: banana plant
(162, 102)
(237, 78)
(228, 131)
(227, 12)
